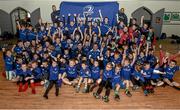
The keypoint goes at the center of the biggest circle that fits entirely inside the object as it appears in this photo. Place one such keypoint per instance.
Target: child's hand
(160, 46)
(3, 49)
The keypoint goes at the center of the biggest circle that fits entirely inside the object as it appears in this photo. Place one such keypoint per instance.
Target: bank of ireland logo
(88, 10)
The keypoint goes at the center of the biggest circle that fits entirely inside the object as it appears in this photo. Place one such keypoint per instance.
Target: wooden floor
(167, 97)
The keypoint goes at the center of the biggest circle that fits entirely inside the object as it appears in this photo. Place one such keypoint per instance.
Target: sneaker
(145, 92)
(128, 93)
(105, 98)
(160, 83)
(116, 97)
(135, 87)
(84, 90)
(45, 96)
(77, 89)
(96, 95)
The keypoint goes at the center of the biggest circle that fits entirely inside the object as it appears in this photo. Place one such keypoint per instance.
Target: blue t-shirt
(85, 73)
(22, 35)
(37, 73)
(126, 72)
(95, 73)
(170, 71)
(147, 73)
(54, 73)
(94, 54)
(108, 75)
(71, 72)
(9, 63)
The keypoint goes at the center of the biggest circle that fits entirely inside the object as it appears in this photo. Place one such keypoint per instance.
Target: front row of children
(110, 72)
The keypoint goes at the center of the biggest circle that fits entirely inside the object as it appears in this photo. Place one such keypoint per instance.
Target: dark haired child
(85, 75)
(106, 82)
(147, 72)
(54, 78)
(45, 73)
(36, 73)
(170, 71)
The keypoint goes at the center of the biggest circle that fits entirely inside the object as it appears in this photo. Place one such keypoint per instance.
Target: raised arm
(142, 21)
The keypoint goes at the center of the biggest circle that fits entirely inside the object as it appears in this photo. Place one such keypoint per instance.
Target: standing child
(85, 75)
(95, 75)
(70, 75)
(9, 60)
(116, 82)
(106, 82)
(54, 76)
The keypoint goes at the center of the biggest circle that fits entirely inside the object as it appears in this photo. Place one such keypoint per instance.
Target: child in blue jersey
(70, 75)
(170, 71)
(147, 72)
(117, 58)
(94, 54)
(24, 78)
(31, 35)
(116, 82)
(18, 64)
(22, 32)
(106, 82)
(9, 61)
(137, 78)
(45, 73)
(95, 75)
(85, 75)
(18, 49)
(151, 58)
(54, 78)
(37, 73)
(126, 71)
(156, 78)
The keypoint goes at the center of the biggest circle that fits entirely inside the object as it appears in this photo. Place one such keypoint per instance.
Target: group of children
(94, 54)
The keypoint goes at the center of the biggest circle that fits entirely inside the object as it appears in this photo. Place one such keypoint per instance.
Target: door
(35, 16)
(157, 22)
(5, 22)
(143, 11)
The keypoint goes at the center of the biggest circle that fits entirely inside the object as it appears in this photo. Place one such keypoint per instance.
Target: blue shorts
(122, 85)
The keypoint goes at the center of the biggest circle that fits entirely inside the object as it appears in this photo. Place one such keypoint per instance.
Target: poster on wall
(171, 18)
(90, 9)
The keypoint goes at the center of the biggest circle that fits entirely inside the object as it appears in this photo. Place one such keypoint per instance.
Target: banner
(92, 9)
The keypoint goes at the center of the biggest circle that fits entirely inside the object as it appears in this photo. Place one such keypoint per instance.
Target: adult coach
(54, 14)
(122, 16)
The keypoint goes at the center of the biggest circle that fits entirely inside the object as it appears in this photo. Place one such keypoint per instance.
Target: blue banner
(92, 9)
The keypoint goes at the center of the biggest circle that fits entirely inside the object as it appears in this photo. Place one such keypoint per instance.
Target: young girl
(106, 82)
(54, 76)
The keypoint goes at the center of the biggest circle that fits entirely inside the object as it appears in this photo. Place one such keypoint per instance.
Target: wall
(129, 5)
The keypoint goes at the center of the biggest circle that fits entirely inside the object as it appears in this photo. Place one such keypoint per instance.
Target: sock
(20, 87)
(33, 88)
(25, 86)
(116, 92)
(37, 84)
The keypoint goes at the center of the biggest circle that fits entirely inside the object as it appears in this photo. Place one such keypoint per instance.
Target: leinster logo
(88, 10)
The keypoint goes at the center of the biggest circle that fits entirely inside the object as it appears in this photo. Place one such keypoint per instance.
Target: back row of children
(94, 53)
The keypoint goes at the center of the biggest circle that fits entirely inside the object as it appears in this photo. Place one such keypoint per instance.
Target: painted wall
(129, 5)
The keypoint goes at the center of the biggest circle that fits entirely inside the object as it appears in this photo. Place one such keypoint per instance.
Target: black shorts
(37, 80)
(107, 84)
(70, 78)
